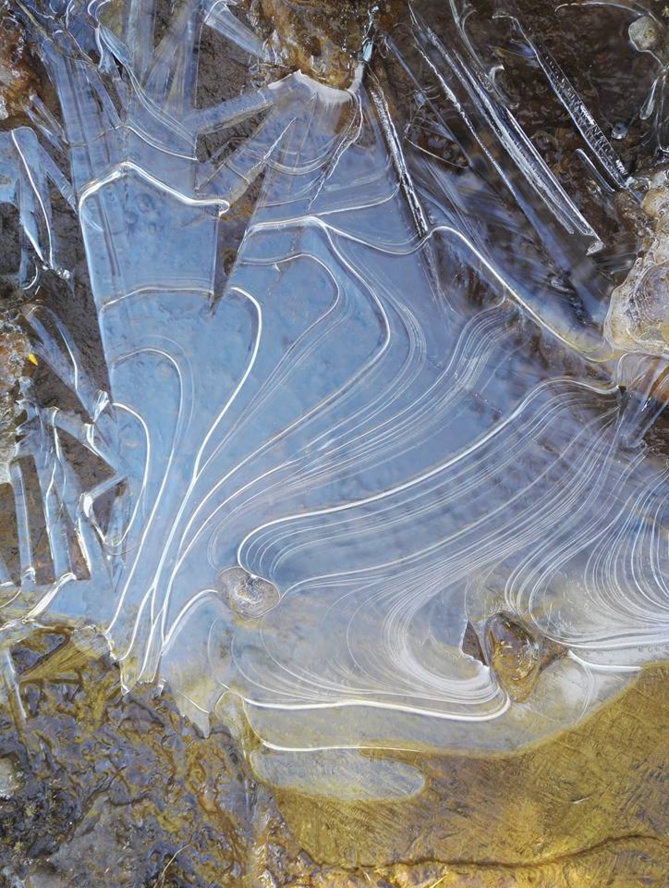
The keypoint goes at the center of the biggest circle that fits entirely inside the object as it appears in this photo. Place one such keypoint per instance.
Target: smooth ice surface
(398, 418)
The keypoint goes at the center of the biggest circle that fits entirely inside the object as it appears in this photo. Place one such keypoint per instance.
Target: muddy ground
(97, 788)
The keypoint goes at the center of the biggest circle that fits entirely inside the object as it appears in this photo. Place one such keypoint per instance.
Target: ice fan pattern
(379, 479)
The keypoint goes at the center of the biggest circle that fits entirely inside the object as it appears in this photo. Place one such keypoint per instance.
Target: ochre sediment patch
(577, 801)
(323, 40)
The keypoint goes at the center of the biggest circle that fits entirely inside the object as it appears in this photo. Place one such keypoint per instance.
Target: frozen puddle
(378, 478)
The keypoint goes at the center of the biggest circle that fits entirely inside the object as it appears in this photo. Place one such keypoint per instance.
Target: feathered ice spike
(648, 33)
(25, 173)
(220, 17)
(600, 148)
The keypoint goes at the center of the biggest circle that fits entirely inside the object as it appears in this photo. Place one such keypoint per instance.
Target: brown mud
(18, 80)
(100, 788)
(324, 40)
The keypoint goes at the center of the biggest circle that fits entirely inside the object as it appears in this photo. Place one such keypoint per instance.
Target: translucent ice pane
(393, 441)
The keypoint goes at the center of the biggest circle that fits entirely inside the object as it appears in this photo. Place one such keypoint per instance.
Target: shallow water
(329, 422)
(100, 786)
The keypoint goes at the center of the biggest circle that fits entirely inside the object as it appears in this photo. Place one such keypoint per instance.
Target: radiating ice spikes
(25, 172)
(63, 500)
(466, 97)
(220, 17)
(648, 33)
(599, 145)
(487, 109)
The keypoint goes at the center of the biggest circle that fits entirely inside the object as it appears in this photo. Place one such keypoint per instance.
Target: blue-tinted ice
(327, 474)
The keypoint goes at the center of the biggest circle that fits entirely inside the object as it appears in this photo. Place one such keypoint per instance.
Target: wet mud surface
(18, 79)
(101, 788)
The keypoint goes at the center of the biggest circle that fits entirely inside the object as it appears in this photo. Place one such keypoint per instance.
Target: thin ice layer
(323, 475)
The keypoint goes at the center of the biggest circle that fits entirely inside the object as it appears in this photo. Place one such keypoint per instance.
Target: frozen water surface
(379, 480)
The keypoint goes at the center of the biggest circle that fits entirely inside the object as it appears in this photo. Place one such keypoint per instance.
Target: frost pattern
(335, 480)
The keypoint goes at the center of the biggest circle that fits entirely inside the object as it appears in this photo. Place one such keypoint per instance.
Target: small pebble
(10, 782)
